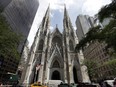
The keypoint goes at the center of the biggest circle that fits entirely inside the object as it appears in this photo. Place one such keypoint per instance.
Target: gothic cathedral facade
(54, 54)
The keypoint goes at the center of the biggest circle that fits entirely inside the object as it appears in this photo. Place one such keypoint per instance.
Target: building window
(41, 43)
(57, 40)
(56, 64)
(71, 47)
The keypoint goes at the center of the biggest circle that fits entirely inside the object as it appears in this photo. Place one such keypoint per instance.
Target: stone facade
(55, 55)
(97, 52)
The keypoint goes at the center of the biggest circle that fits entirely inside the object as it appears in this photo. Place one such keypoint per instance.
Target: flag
(38, 66)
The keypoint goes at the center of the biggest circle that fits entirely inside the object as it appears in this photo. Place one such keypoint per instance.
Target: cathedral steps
(54, 83)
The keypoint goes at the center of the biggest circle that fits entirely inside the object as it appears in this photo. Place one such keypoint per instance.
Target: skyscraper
(83, 23)
(19, 15)
(4, 3)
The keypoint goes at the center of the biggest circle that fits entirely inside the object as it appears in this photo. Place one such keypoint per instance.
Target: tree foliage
(91, 64)
(92, 35)
(9, 40)
(112, 65)
(107, 34)
(108, 11)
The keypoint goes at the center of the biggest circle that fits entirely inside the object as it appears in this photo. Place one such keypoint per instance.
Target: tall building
(83, 23)
(52, 56)
(94, 51)
(19, 15)
(4, 3)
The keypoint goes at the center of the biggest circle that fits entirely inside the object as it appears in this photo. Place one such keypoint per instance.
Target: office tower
(20, 15)
(83, 23)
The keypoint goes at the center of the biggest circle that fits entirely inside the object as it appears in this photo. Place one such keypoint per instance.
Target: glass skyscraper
(20, 15)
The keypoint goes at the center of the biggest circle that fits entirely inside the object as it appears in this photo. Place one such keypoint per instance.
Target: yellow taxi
(37, 84)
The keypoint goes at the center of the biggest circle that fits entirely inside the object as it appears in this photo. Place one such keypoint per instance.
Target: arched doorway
(75, 75)
(56, 75)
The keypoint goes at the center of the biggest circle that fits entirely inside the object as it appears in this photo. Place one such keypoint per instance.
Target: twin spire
(47, 14)
(65, 11)
(46, 18)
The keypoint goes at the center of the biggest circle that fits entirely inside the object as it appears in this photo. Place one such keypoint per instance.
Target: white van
(110, 82)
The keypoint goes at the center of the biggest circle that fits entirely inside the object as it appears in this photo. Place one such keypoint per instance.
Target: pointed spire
(56, 25)
(66, 22)
(46, 20)
(65, 12)
(47, 11)
(57, 28)
(66, 17)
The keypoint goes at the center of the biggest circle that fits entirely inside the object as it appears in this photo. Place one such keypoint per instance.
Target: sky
(74, 8)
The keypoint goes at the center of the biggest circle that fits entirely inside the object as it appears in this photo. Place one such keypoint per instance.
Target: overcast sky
(74, 8)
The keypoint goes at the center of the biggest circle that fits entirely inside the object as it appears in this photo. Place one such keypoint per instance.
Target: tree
(9, 40)
(107, 34)
(112, 64)
(91, 36)
(108, 11)
(91, 67)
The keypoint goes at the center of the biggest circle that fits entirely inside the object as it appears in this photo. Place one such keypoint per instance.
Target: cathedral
(52, 55)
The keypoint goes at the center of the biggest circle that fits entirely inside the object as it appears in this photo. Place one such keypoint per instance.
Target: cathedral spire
(56, 25)
(65, 12)
(47, 11)
(66, 21)
(46, 20)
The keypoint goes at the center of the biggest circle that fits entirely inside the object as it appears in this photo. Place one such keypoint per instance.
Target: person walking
(1, 84)
(107, 85)
(114, 83)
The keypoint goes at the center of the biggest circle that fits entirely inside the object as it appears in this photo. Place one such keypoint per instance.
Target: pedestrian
(1, 84)
(107, 85)
(114, 83)
(14, 84)
(104, 84)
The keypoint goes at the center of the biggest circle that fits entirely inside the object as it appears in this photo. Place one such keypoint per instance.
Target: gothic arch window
(41, 43)
(72, 34)
(56, 64)
(45, 33)
(57, 40)
(71, 47)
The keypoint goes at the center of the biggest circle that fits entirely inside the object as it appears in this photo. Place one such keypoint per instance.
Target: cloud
(75, 28)
(51, 15)
(51, 28)
(74, 7)
(91, 7)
